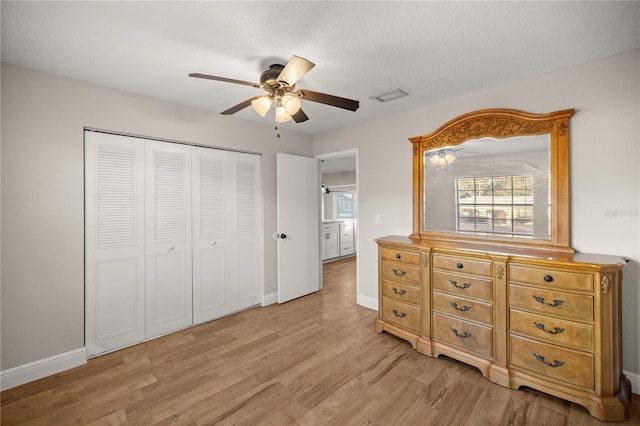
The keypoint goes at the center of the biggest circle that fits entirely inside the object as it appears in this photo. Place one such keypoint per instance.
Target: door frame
(339, 154)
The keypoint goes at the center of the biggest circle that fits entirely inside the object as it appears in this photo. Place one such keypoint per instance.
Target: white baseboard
(269, 299)
(367, 302)
(635, 381)
(26, 373)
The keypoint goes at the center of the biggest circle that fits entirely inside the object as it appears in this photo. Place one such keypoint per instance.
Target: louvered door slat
(115, 196)
(246, 197)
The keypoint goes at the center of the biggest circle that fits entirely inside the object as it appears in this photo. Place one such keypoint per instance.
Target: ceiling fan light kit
(442, 158)
(262, 105)
(279, 81)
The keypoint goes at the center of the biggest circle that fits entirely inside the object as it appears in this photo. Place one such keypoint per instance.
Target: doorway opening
(339, 208)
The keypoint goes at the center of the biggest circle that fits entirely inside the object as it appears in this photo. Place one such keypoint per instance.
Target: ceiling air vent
(389, 96)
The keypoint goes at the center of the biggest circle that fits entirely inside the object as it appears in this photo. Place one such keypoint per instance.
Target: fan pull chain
(278, 133)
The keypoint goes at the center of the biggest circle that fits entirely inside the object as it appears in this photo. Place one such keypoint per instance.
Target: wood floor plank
(316, 360)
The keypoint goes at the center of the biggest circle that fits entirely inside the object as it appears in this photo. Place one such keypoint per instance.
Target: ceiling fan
(279, 81)
(325, 190)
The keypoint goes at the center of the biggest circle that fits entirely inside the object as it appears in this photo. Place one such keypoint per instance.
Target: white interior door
(210, 235)
(298, 210)
(247, 279)
(227, 261)
(168, 238)
(114, 242)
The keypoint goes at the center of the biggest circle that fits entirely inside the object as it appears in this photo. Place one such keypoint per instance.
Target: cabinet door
(333, 244)
(168, 238)
(114, 242)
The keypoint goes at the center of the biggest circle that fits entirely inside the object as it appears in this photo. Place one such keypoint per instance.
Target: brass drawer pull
(556, 330)
(463, 335)
(399, 274)
(556, 302)
(548, 278)
(463, 286)
(555, 364)
(399, 293)
(399, 315)
(463, 309)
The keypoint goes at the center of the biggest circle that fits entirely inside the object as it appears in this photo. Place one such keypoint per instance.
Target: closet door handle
(172, 248)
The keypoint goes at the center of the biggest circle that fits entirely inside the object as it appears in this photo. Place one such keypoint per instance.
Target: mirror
(494, 176)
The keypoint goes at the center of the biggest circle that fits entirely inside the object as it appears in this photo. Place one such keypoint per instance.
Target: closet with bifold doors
(172, 237)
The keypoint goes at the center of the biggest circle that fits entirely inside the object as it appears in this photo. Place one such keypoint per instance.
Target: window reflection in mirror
(490, 186)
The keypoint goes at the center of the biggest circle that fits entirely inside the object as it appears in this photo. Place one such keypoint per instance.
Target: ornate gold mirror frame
(500, 124)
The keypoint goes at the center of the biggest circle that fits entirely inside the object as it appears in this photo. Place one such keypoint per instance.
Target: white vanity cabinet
(337, 239)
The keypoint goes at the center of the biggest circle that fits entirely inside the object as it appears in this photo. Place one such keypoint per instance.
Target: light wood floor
(313, 361)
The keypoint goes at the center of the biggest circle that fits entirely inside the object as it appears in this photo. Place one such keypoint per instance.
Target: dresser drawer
(553, 330)
(551, 278)
(469, 336)
(476, 288)
(402, 314)
(410, 257)
(403, 292)
(570, 306)
(401, 272)
(573, 367)
(461, 307)
(462, 264)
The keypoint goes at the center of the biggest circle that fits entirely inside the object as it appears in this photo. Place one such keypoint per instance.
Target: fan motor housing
(269, 78)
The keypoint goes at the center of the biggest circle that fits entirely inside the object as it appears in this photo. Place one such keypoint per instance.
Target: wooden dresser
(547, 320)
(488, 276)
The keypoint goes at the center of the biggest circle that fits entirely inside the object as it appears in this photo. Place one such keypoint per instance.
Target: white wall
(604, 167)
(43, 117)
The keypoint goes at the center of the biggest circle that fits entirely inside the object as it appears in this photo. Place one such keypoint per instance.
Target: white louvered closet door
(226, 232)
(114, 242)
(212, 249)
(173, 237)
(247, 231)
(168, 238)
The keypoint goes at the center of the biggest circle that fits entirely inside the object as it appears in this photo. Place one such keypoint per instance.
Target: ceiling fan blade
(226, 80)
(300, 116)
(239, 107)
(294, 70)
(332, 100)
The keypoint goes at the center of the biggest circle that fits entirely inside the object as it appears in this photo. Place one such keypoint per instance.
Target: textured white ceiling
(432, 50)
